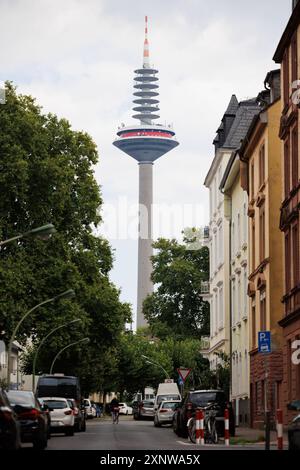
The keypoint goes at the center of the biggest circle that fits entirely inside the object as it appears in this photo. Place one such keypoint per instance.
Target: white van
(166, 391)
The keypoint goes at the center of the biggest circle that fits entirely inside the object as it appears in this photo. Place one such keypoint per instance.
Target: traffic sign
(184, 373)
(180, 381)
(264, 342)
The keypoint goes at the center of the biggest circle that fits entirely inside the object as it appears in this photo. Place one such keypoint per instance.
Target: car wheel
(83, 427)
(127, 412)
(70, 431)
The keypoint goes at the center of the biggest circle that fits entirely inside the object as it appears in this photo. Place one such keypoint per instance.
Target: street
(131, 435)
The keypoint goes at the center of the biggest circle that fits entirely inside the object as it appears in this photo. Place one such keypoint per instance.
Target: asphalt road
(129, 435)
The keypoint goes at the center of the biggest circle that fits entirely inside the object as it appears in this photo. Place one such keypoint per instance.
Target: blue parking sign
(264, 342)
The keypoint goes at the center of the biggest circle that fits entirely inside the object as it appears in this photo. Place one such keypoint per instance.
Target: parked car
(165, 412)
(201, 399)
(62, 415)
(89, 408)
(124, 409)
(144, 409)
(294, 427)
(45, 409)
(166, 391)
(79, 416)
(33, 420)
(10, 438)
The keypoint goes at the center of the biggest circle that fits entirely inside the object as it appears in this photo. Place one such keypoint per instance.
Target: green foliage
(46, 176)
(176, 308)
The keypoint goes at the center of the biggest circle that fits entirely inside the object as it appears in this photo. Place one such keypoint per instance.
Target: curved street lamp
(41, 344)
(68, 293)
(44, 232)
(156, 364)
(84, 340)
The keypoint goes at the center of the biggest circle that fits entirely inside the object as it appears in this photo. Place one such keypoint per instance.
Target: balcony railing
(205, 287)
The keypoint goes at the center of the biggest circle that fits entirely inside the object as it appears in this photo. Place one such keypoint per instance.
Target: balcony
(205, 290)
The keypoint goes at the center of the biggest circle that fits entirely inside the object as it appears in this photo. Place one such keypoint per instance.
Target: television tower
(145, 142)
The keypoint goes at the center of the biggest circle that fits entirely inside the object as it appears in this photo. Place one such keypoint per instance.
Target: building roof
(288, 33)
(232, 106)
(246, 112)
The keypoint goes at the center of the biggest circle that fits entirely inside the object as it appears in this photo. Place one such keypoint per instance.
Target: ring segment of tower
(145, 142)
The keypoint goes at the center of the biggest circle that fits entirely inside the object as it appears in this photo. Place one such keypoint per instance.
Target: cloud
(77, 58)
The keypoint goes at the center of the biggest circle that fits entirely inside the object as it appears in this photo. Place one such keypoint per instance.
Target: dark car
(294, 427)
(33, 420)
(143, 409)
(79, 415)
(201, 399)
(9, 425)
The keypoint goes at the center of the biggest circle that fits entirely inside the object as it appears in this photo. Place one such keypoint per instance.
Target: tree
(46, 175)
(177, 307)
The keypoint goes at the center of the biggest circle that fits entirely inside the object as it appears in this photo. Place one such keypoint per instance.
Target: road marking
(185, 443)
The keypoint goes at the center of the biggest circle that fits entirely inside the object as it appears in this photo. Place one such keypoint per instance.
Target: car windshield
(56, 404)
(169, 405)
(122, 404)
(161, 398)
(148, 404)
(21, 398)
(71, 404)
(86, 403)
(202, 399)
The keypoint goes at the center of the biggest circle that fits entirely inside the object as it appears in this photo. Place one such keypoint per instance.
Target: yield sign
(184, 373)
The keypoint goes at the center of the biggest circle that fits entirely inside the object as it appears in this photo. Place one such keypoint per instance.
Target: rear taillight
(163, 411)
(30, 414)
(6, 413)
(68, 412)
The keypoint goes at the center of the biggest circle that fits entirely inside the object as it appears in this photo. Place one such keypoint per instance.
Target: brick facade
(266, 373)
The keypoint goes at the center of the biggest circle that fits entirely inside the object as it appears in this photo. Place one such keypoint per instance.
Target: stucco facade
(262, 178)
(235, 209)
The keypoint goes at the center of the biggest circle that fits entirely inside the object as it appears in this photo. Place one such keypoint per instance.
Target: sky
(77, 57)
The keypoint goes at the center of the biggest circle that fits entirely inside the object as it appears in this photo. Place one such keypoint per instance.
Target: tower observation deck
(145, 142)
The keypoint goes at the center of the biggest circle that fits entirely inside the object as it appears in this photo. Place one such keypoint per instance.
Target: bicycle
(210, 429)
(115, 415)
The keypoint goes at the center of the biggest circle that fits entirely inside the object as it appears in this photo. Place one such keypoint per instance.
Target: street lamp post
(156, 364)
(63, 295)
(84, 340)
(42, 232)
(41, 344)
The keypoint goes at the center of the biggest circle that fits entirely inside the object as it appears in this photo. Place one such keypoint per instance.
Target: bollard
(226, 423)
(199, 427)
(279, 430)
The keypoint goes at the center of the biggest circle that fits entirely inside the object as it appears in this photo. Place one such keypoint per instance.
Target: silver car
(165, 412)
(62, 415)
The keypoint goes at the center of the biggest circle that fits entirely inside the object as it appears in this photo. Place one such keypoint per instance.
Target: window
(245, 219)
(262, 238)
(252, 181)
(295, 255)
(212, 314)
(262, 171)
(287, 168)
(221, 308)
(221, 244)
(217, 315)
(245, 293)
(294, 58)
(233, 303)
(253, 321)
(239, 299)
(286, 77)
(295, 176)
(253, 245)
(263, 311)
(287, 262)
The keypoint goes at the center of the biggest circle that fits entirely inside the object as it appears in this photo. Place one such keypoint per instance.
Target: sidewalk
(257, 436)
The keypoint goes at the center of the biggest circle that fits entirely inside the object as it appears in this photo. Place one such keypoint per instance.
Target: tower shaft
(145, 285)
